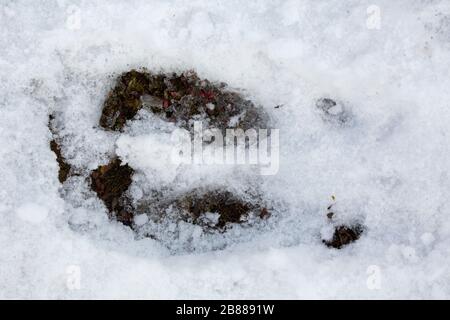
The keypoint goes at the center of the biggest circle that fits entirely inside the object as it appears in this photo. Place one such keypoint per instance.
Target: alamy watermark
(373, 281)
(73, 280)
(73, 20)
(211, 147)
(373, 20)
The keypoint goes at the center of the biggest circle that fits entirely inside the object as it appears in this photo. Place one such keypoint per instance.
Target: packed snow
(385, 63)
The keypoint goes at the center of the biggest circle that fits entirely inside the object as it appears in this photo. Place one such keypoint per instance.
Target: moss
(110, 182)
(344, 235)
(64, 167)
(123, 102)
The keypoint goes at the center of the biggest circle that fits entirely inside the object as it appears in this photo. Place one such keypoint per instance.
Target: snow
(388, 166)
(32, 212)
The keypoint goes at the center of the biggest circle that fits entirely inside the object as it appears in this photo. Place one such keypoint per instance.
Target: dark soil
(231, 209)
(64, 167)
(110, 182)
(178, 98)
(344, 235)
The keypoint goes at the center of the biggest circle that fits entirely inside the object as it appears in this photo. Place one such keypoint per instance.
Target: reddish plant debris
(177, 98)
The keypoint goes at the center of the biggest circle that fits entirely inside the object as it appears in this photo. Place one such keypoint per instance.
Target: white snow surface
(388, 168)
